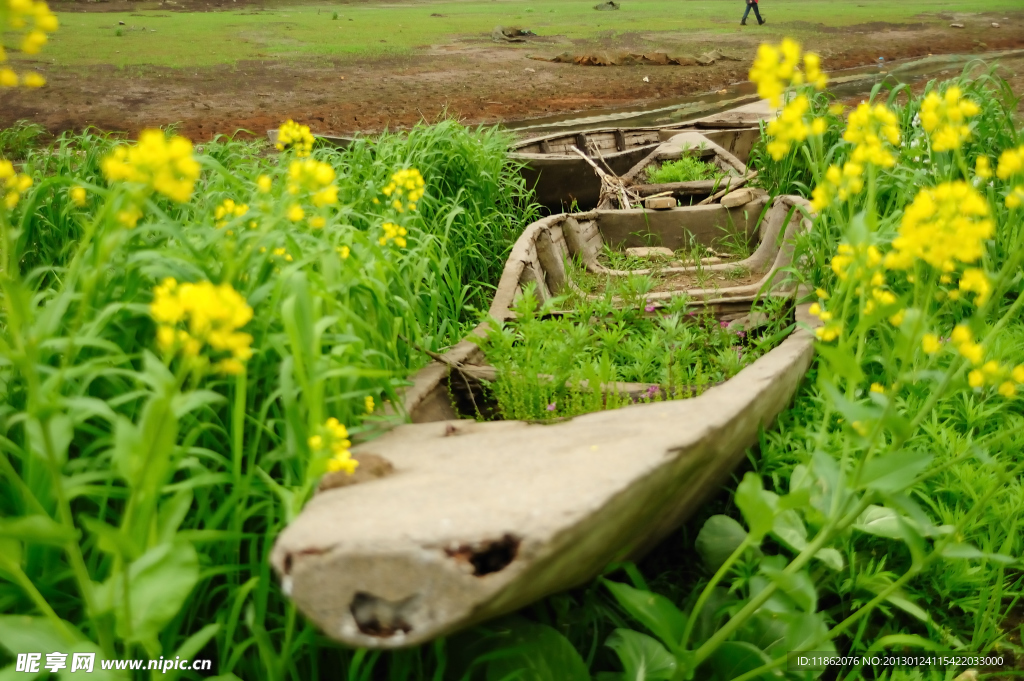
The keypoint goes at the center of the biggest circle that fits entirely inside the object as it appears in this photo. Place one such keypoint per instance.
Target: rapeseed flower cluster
(869, 128)
(944, 118)
(315, 177)
(13, 184)
(296, 137)
(333, 440)
(791, 127)
(942, 226)
(34, 20)
(776, 68)
(393, 232)
(211, 316)
(227, 210)
(974, 281)
(1011, 165)
(405, 185)
(156, 163)
(838, 183)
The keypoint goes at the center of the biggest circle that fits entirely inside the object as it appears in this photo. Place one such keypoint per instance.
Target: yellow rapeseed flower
(405, 185)
(368, 404)
(296, 137)
(976, 379)
(1016, 197)
(33, 80)
(942, 226)
(1011, 162)
(12, 184)
(775, 68)
(878, 388)
(976, 281)
(983, 167)
(212, 315)
(944, 118)
(839, 184)
(931, 344)
(78, 196)
(393, 232)
(263, 183)
(871, 129)
(295, 212)
(155, 163)
(333, 440)
(1007, 389)
(788, 128)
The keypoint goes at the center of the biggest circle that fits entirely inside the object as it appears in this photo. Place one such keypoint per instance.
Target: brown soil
(473, 79)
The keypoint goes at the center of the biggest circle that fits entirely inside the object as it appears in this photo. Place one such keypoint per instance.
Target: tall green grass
(140, 498)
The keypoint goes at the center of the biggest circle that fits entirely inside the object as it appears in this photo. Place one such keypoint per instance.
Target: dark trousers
(752, 6)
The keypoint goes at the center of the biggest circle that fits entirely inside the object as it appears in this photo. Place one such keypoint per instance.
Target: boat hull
(471, 520)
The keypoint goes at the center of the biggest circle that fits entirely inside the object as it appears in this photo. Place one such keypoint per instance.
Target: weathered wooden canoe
(686, 193)
(563, 180)
(460, 521)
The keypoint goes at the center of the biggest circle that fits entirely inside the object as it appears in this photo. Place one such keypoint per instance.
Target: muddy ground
(473, 78)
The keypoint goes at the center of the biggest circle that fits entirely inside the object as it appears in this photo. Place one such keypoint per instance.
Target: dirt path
(474, 79)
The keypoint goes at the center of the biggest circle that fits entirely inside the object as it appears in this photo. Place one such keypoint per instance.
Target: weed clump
(686, 169)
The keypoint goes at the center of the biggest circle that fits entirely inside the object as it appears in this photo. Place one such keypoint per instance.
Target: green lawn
(179, 39)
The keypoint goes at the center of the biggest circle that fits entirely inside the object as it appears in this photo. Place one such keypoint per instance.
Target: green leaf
(734, 658)
(755, 508)
(183, 403)
(536, 652)
(193, 645)
(661, 617)
(797, 586)
(159, 583)
(894, 472)
(841, 362)
(969, 552)
(717, 539)
(172, 513)
(59, 432)
(643, 658)
(109, 539)
(36, 529)
(880, 521)
(25, 634)
(789, 529)
(831, 558)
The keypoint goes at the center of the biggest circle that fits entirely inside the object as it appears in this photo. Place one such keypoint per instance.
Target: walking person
(751, 4)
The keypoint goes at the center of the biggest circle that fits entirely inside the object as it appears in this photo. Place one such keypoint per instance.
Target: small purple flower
(741, 334)
(650, 307)
(723, 325)
(551, 407)
(692, 313)
(652, 391)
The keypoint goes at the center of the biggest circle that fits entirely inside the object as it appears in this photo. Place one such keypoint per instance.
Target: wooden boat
(563, 180)
(450, 521)
(634, 181)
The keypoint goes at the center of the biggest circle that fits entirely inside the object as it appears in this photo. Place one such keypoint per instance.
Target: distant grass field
(184, 39)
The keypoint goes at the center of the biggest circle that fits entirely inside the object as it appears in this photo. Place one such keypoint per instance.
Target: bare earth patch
(473, 79)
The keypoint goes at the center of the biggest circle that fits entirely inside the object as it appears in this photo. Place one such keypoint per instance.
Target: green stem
(706, 593)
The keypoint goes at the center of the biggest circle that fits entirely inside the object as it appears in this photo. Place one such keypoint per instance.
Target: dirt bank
(473, 78)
